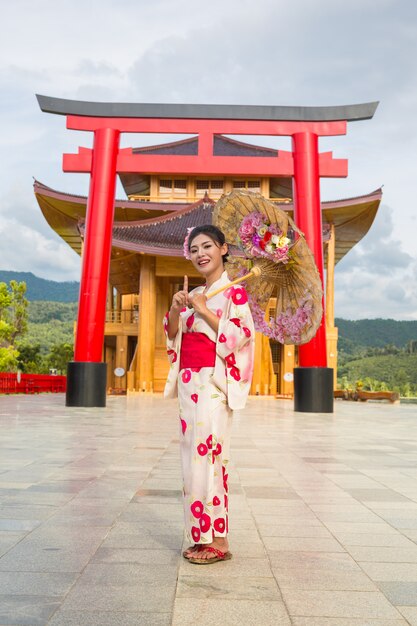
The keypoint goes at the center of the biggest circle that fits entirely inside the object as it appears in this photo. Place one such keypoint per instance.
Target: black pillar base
(86, 384)
(313, 389)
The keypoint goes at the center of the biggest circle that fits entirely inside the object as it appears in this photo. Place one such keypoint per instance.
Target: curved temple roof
(159, 228)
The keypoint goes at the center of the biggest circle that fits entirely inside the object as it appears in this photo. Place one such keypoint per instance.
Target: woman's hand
(199, 303)
(180, 299)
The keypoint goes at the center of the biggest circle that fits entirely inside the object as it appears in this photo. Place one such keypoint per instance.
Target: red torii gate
(86, 385)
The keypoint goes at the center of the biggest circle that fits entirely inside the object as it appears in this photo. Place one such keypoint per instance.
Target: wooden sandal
(218, 556)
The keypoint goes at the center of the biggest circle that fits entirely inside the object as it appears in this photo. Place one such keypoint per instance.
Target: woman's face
(206, 254)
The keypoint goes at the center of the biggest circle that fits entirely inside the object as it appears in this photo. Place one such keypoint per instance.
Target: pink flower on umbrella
(190, 321)
(246, 331)
(222, 338)
(216, 501)
(183, 425)
(197, 508)
(236, 321)
(186, 376)
(235, 373)
(205, 523)
(196, 534)
(209, 442)
(194, 397)
(219, 313)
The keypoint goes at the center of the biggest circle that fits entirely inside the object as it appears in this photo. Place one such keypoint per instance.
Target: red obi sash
(197, 350)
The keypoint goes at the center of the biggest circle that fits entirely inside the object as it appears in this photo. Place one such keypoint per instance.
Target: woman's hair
(211, 231)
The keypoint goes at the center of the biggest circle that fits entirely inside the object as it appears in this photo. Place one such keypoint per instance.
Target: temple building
(147, 263)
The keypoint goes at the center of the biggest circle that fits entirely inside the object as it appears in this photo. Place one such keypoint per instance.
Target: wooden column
(287, 367)
(121, 360)
(332, 331)
(330, 279)
(256, 387)
(147, 320)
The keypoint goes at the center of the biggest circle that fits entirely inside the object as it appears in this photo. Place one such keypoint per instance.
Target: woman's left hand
(199, 303)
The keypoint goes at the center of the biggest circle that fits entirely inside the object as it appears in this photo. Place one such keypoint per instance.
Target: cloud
(377, 278)
(25, 249)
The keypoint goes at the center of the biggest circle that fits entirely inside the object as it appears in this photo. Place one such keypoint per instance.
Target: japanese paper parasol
(271, 255)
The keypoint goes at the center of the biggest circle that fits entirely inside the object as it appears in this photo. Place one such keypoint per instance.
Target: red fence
(32, 383)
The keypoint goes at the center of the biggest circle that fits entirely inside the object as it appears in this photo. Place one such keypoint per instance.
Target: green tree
(13, 322)
(30, 359)
(59, 356)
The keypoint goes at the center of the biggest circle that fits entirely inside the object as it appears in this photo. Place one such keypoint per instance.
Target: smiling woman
(211, 349)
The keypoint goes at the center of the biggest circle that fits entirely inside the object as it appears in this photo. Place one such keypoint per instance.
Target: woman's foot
(191, 550)
(218, 543)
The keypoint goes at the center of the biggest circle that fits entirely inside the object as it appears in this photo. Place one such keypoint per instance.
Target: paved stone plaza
(323, 517)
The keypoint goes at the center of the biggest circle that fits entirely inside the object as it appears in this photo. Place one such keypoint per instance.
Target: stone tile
(400, 592)
(383, 554)
(315, 560)
(208, 611)
(359, 604)
(109, 618)
(341, 621)
(227, 588)
(144, 541)
(26, 610)
(360, 528)
(144, 598)
(36, 583)
(295, 530)
(129, 555)
(18, 524)
(366, 539)
(303, 544)
(127, 574)
(322, 579)
(410, 613)
(406, 572)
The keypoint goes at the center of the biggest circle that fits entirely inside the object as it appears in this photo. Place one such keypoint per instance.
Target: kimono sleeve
(236, 346)
(173, 352)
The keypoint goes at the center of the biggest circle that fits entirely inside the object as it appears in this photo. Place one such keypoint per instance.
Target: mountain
(42, 289)
(375, 333)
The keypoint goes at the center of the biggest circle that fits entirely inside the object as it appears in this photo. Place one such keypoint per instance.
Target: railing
(31, 383)
(190, 199)
(127, 316)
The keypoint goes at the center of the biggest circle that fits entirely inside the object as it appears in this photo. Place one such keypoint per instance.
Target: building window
(214, 188)
(172, 187)
(251, 185)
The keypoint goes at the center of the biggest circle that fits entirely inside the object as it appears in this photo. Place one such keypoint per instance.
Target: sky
(268, 52)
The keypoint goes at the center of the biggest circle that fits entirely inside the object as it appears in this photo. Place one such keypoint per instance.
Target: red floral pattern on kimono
(207, 397)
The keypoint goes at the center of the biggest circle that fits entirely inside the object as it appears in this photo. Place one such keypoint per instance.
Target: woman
(210, 346)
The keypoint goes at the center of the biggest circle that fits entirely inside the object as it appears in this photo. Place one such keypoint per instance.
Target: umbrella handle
(255, 271)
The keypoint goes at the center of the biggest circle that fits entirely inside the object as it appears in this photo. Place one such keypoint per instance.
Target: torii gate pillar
(313, 380)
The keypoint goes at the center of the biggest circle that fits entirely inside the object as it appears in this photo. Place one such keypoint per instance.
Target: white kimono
(207, 397)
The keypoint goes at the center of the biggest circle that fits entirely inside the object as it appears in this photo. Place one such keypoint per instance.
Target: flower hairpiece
(186, 240)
